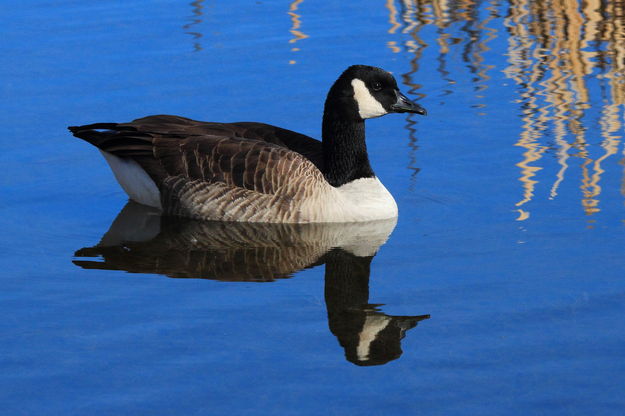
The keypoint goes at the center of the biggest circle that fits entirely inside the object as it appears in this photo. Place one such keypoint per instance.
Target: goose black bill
(405, 105)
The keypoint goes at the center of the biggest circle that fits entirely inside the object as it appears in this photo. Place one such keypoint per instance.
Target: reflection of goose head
(141, 241)
(368, 336)
(378, 341)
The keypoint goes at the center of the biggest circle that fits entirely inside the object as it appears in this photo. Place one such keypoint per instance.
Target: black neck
(344, 149)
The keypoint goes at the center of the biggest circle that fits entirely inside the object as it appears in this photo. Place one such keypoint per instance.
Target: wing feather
(249, 164)
(167, 125)
(208, 170)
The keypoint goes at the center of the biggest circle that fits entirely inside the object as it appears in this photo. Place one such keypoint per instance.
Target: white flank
(368, 107)
(374, 324)
(134, 180)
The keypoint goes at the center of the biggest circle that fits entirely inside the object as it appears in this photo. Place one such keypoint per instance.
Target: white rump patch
(134, 180)
(368, 106)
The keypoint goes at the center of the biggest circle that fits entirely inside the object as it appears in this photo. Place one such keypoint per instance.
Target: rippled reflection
(556, 54)
(196, 19)
(562, 56)
(409, 24)
(296, 23)
(141, 241)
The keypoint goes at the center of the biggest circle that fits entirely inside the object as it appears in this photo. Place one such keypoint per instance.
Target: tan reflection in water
(556, 50)
(524, 71)
(481, 48)
(195, 20)
(392, 18)
(295, 25)
(407, 18)
(413, 18)
(549, 58)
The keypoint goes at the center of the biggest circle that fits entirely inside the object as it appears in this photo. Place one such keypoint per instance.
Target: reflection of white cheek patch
(368, 107)
(374, 324)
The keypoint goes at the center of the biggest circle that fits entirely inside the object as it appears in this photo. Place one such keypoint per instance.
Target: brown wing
(250, 164)
(168, 125)
(170, 146)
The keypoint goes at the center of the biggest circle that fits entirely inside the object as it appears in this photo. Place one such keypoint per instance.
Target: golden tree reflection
(295, 26)
(409, 18)
(557, 45)
(561, 54)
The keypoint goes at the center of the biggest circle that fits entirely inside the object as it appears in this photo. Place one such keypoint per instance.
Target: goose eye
(376, 86)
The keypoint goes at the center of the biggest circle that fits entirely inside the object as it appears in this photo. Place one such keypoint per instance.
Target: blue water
(510, 234)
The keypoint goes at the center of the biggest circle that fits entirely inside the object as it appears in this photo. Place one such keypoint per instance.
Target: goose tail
(115, 138)
(123, 148)
(96, 134)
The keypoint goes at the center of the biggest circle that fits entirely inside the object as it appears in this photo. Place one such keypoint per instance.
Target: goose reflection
(141, 241)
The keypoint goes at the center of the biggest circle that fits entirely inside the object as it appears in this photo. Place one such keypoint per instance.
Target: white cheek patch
(368, 107)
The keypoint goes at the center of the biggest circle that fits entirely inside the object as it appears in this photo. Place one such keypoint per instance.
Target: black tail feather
(98, 126)
(118, 139)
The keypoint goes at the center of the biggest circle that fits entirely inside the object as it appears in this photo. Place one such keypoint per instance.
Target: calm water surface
(500, 290)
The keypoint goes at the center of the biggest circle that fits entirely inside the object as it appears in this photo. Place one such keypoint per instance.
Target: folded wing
(207, 170)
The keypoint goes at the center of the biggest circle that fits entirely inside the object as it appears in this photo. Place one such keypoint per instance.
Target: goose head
(364, 92)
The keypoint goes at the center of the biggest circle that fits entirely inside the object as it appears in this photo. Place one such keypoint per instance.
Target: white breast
(364, 199)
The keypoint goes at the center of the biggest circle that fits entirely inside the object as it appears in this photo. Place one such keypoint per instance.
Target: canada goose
(255, 172)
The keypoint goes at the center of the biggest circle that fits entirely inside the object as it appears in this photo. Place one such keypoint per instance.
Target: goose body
(256, 172)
